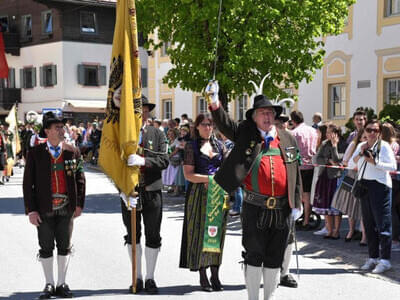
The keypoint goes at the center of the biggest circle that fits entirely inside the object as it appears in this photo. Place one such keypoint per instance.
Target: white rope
(216, 43)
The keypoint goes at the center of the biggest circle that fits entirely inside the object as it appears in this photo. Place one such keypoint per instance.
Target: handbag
(360, 188)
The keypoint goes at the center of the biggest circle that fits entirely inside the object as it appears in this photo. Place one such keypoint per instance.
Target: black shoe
(139, 286)
(288, 281)
(216, 284)
(362, 244)
(206, 287)
(48, 292)
(151, 287)
(63, 291)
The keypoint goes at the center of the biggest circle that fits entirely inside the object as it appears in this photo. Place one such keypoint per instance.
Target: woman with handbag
(375, 159)
(328, 154)
(343, 199)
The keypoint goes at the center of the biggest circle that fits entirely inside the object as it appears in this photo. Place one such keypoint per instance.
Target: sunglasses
(206, 124)
(370, 130)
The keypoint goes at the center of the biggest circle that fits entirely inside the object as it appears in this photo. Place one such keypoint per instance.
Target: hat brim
(150, 106)
(278, 109)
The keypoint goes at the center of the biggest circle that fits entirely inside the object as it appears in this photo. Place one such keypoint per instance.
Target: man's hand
(129, 201)
(78, 211)
(135, 160)
(211, 91)
(34, 218)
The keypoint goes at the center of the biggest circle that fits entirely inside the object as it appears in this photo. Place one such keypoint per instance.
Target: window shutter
(42, 79)
(33, 77)
(54, 74)
(102, 75)
(81, 74)
(11, 78)
(21, 78)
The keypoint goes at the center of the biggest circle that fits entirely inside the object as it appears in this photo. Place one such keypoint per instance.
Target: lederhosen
(56, 225)
(266, 210)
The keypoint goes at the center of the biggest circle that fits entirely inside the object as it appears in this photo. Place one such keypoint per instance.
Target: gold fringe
(212, 250)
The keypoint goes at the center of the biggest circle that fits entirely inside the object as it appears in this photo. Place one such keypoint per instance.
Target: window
(10, 81)
(92, 75)
(28, 77)
(241, 107)
(201, 105)
(164, 48)
(88, 22)
(48, 75)
(337, 100)
(26, 30)
(47, 22)
(392, 7)
(392, 91)
(4, 23)
(167, 109)
(144, 78)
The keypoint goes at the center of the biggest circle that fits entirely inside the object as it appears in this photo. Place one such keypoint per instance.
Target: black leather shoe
(63, 291)
(216, 284)
(288, 281)
(151, 287)
(139, 286)
(48, 292)
(206, 287)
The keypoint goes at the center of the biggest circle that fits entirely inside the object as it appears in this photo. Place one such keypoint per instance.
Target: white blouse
(385, 163)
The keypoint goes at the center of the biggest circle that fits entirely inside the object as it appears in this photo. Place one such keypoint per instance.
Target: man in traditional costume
(54, 194)
(152, 161)
(265, 162)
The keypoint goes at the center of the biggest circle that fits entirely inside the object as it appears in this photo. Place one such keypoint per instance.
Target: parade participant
(153, 142)
(203, 157)
(54, 194)
(265, 160)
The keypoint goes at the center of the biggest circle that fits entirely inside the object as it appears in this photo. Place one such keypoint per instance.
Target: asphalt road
(100, 267)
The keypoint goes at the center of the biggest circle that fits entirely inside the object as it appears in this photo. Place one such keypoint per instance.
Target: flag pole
(134, 271)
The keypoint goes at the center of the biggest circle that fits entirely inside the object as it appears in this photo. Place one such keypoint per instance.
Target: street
(100, 268)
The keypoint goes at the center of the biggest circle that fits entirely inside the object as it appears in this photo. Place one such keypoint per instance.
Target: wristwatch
(360, 154)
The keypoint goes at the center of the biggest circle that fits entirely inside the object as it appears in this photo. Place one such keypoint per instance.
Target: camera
(369, 153)
(180, 139)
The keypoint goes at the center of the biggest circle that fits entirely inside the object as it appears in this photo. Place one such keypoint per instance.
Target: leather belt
(265, 201)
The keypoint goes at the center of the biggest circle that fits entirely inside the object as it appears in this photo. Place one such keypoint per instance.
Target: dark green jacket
(247, 139)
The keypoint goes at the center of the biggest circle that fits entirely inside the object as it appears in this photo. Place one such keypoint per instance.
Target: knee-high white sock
(62, 264)
(138, 259)
(47, 264)
(271, 280)
(252, 277)
(286, 259)
(151, 260)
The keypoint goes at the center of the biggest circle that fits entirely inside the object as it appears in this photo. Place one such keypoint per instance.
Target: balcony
(8, 97)
(11, 41)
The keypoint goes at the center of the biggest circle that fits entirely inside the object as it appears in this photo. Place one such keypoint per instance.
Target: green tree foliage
(390, 113)
(280, 37)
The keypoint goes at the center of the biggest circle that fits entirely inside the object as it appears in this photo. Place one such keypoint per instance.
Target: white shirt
(385, 163)
(51, 150)
(272, 132)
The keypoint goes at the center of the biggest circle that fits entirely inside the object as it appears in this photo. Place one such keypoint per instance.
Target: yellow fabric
(120, 137)
(13, 127)
(10, 165)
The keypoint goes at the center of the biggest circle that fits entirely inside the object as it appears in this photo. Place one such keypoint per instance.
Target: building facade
(61, 56)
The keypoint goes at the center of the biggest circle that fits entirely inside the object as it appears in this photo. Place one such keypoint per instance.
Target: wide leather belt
(265, 201)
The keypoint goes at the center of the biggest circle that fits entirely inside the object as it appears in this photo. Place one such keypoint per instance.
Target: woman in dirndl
(328, 154)
(203, 157)
(343, 200)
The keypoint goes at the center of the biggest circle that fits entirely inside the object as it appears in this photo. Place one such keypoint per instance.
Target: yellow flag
(13, 127)
(124, 118)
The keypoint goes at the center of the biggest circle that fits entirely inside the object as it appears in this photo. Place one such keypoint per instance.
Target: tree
(280, 37)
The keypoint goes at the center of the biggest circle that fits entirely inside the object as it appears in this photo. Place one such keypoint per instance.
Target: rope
(216, 43)
(341, 167)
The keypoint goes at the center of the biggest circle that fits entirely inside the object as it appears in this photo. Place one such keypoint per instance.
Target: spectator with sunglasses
(375, 159)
